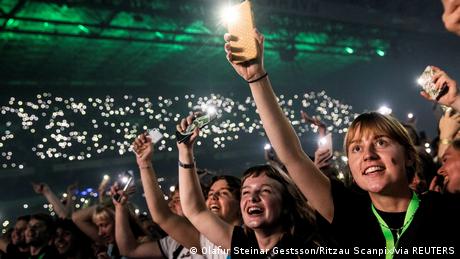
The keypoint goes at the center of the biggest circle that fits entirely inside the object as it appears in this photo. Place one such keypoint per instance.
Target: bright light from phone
(421, 81)
(211, 110)
(267, 146)
(229, 14)
(385, 110)
(410, 115)
(106, 177)
(322, 141)
(172, 188)
(124, 179)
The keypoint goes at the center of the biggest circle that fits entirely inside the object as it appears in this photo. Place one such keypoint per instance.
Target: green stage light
(83, 28)
(349, 50)
(380, 52)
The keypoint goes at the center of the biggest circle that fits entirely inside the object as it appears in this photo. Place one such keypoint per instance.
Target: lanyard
(389, 239)
(41, 256)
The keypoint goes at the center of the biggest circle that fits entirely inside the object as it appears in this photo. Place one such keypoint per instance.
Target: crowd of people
(399, 202)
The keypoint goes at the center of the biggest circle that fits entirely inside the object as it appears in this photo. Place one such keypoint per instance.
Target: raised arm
(126, 241)
(313, 184)
(451, 98)
(451, 15)
(211, 226)
(83, 219)
(177, 227)
(449, 125)
(45, 190)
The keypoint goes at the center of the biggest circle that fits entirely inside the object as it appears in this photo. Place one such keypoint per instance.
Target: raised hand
(119, 197)
(449, 125)
(315, 121)
(40, 188)
(181, 127)
(441, 79)
(143, 147)
(248, 70)
(323, 158)
(451, 15)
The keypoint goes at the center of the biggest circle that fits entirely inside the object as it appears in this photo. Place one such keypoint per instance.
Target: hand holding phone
(155, 135)
(325, 143)
(241, 27)
(126, 180)
(426, 81)
(199, 122)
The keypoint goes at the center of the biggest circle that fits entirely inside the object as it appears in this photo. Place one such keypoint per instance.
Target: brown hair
(297, 214)
(389, 126)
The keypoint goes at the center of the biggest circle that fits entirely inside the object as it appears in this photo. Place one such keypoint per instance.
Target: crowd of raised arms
(399, 202)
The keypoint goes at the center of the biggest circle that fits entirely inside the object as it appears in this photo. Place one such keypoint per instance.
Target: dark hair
(81, 243)
(388, 125)
(47, 219)
(23, 217)
(234, 184)
(297, 214)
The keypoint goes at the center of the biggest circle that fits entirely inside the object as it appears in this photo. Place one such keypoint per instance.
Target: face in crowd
(63, 240)
(261, 199)
(380, 153)
(450, 169)
(18, 237)
(37, 233)
(105, 222)
(223, 200)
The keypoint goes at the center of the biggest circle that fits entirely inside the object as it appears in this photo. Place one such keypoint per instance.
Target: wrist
(143, 165)
(186, 155)
(456, 103)
(445, 141)
(257, 77)
(187, 165)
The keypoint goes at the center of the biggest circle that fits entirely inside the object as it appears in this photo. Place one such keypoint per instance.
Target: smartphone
(127, 181)
(325, 143)
(155, 135)
(199, 122)
(241, 27)
(426, 82)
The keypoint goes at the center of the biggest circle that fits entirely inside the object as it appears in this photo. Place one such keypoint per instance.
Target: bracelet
(187, 166)
(257, 79)
(445, 141)
(145, 167)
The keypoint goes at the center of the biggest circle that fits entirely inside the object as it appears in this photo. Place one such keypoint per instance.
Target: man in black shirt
(39, 233)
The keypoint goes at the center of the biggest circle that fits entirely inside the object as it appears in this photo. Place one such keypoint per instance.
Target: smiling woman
(275, 215)
(382, 160)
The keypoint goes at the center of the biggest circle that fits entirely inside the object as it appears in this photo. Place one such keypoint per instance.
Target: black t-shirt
(12, 251)
(47, 252)
(434, 231)
(244, 245)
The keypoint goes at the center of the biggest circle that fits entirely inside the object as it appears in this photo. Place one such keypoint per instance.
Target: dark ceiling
(362, 52)
(105, 43)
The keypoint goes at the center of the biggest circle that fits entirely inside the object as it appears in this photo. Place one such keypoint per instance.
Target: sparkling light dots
(76, 129)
